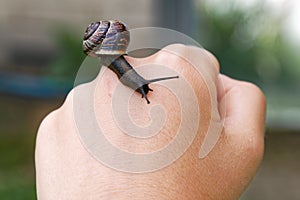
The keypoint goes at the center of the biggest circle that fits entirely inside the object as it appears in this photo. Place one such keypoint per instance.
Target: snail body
(109, 39)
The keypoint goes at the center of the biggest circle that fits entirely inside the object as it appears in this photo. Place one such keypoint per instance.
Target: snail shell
(106, 37)
(108, 40)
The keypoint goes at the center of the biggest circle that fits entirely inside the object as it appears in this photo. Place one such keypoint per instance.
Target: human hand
(66, 170)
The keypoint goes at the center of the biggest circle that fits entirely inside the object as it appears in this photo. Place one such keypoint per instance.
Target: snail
(108, 40)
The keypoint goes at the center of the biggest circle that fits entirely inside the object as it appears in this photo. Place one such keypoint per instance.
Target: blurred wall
(27, 27)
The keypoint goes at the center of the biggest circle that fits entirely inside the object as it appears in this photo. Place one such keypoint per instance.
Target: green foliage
(70, 55)
(16, 166)
(14, 186)
(249, 43)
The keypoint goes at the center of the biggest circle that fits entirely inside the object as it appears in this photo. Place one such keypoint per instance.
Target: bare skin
(65, 170)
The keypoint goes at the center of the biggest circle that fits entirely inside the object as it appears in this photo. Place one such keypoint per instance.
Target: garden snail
(109, 39)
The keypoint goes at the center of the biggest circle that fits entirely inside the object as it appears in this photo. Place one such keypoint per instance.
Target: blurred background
(254, 40)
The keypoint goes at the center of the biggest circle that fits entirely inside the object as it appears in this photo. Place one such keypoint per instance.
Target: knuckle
(196, 54)
(213, 58)
(256, 90)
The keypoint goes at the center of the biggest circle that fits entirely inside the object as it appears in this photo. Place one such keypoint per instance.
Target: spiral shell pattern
(107, 37)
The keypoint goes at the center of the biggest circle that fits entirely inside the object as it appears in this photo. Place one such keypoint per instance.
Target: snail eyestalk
(108, 40)
(161, 79)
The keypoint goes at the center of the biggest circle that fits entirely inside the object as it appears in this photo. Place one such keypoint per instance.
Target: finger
(244, 105)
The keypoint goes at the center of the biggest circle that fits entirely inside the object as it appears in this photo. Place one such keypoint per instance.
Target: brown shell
(107, 37)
